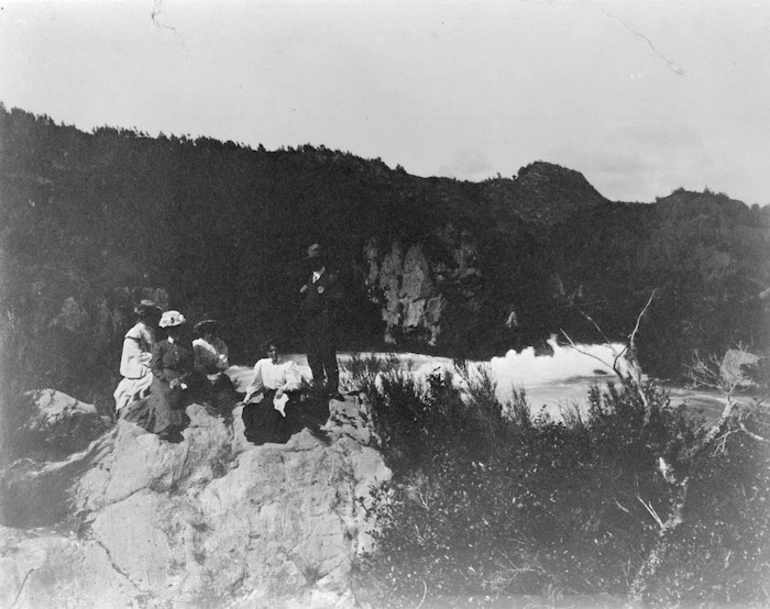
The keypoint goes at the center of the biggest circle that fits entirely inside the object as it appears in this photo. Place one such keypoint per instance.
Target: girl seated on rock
(211, 361)
(282, 409)
(136, 356)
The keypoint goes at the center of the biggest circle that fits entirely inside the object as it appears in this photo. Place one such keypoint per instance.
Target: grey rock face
(410, 286)
(210, 522)
(62, 424)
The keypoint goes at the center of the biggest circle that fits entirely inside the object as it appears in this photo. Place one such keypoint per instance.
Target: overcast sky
(641, 96)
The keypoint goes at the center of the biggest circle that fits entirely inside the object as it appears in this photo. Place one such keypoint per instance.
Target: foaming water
(552, 382)
(527, 369)
(559, 381)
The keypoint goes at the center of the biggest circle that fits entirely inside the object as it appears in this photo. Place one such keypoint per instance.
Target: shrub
(487, 502)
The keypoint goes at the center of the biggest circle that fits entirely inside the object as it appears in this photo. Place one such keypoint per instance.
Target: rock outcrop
(410, 286)
(210, 522)
(61, 425)
(544, 194)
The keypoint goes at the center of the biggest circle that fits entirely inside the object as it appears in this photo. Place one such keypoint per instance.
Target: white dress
(135, 366)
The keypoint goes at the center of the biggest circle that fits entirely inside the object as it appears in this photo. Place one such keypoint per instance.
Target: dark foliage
(554, 509)
(224, 228)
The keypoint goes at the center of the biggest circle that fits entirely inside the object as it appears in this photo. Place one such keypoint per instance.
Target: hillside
(431, 264)
(543, 194)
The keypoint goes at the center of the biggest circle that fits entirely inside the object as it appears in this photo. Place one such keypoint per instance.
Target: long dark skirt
(162, 411)
(263, 422)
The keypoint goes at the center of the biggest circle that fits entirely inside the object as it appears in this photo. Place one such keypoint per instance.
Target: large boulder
(42, 569)
(39, 494)
(212, 521)
(60, 425)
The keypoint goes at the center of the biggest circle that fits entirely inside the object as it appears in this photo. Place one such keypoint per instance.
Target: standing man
(321, 294)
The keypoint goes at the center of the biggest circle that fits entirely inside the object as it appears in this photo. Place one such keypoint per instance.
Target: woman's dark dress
(263, 423)
(163, 411)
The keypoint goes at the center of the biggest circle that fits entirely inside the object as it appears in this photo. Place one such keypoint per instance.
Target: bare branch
(751, 434)
(595, 325)
(708, 373)
(632, 336)
(586, 353)
(652, 511)
(424, 594)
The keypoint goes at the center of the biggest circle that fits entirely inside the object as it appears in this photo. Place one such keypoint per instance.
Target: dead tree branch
(632, 377)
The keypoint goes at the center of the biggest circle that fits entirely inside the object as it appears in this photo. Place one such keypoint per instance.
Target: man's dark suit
(319, 310)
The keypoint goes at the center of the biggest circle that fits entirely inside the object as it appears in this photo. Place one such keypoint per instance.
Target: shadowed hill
(544, 194)
(458, 268)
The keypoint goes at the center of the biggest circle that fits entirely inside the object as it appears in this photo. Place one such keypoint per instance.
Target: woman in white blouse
(276, 382)
(272, 373)
(136, 356)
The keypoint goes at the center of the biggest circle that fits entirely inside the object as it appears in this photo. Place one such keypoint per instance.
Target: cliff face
(210, 522)
(412, 288)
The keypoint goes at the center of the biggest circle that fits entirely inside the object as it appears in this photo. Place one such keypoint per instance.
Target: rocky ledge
(213, 521)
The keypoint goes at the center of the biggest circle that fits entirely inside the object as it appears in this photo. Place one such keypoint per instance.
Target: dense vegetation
(488, 504)
(223, 229)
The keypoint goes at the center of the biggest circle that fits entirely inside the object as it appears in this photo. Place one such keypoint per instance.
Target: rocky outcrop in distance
(409, 287)
(213, 521)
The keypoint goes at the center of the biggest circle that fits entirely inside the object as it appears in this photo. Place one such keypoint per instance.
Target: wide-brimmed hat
(206, 320)
(146, 308)
(171, 319)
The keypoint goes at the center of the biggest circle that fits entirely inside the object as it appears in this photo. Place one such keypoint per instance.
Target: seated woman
(211, 361)
(136, 357)
(174, 383)
(282, 410)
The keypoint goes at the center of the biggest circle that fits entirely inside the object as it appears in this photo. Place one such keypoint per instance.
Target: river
(551, 382)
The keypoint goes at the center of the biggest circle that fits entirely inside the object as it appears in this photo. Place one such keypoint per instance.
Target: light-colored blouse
(267, 375)
(211, 357)
(135, 366)
(137, 352)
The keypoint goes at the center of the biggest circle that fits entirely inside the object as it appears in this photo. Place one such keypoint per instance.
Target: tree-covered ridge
(224, 227)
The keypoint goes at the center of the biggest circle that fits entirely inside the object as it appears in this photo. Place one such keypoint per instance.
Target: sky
(641, 96)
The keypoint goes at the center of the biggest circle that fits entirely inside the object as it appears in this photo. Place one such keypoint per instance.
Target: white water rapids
(552, 382)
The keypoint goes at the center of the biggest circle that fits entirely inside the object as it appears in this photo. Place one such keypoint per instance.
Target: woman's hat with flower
(171, 319)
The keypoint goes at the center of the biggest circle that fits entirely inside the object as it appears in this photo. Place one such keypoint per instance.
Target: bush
(721, 553)
(488, 503)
